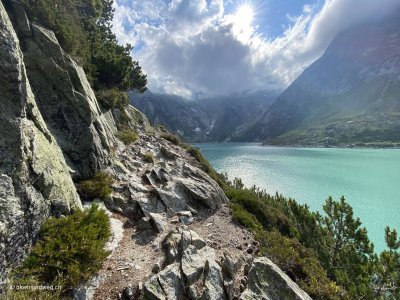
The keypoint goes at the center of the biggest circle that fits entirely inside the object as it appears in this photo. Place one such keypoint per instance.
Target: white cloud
(189, 47)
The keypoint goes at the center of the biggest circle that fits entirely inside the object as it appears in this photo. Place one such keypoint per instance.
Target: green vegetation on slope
(97, 187)
(127, 136)
(356, 131)
(329, 256)
(171, 138)
(70, 250)
(83, 29)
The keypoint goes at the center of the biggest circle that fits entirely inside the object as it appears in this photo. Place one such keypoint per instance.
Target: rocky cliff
(173, 237)
(64, 98)
(35, 180)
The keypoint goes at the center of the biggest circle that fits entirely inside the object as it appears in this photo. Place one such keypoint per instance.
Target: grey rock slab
(203, 192)
(33, 171)
(267, 281)
(158, 221)
(117, 230)
(189, 237)
(87, 291)
(66, 101)
(168, 284)
(186, 220)
(232, 264)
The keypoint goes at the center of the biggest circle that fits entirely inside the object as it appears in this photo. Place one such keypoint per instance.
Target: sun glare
(242, 21)
(244, 15)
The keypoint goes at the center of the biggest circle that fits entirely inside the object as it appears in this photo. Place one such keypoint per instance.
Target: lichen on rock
(34, 175)
(65, 99)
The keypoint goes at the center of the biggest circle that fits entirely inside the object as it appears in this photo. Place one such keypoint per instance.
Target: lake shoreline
(315, 146)
(344, 146)
(367, 177)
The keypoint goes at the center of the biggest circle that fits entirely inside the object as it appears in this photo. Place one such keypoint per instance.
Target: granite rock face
(65, 99)
(34, 177)
(267, 281)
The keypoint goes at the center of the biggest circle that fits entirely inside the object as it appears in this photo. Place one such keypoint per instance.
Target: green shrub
(171, 138)
(69, 252)
(276, 233)
(149, 157)
(267, 215)
(162, 128)
(300, 263)
(329, 256)
(127, 136)
(112, 98)
(97, 187)
(65, 19)
(240, 215)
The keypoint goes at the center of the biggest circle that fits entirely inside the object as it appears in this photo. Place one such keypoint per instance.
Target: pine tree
(386, 280)
(347, 248)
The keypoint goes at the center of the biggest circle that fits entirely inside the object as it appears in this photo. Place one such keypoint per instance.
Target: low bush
(97, 187)
(171, 138)
(112, 98)
(149, 157)
(276, 235)
(267, 215)
(243, 217)
(127, 136)
(300, 263)
(70, 250)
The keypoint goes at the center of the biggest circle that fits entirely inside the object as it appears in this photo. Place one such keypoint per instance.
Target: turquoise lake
(368, 178)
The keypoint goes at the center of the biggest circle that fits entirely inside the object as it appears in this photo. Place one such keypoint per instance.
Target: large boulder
(65, 99)
(34, 177)
(192, 270)
(267, 281)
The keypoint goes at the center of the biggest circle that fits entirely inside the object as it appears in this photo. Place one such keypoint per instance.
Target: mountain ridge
(203, 120)
(349, 96)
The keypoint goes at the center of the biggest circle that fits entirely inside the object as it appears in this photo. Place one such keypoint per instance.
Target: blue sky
(272, 16)
(205, 48)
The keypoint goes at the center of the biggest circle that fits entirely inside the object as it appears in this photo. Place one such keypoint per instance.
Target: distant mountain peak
(351, 95)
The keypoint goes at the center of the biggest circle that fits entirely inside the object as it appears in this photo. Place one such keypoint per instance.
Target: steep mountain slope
(350, 95)
(211, 119)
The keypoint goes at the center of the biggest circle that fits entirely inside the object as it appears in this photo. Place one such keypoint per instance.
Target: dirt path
(132, 261)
